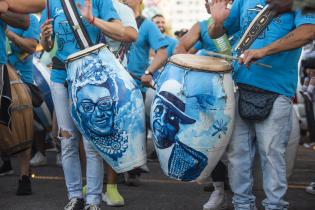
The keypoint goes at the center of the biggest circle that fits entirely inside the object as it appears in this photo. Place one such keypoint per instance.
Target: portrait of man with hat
(184, 163)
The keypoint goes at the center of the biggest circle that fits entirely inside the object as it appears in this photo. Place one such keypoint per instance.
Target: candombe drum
(192, 115)
(44, 112)
(18, 136)
(41, 76)
(107, 107)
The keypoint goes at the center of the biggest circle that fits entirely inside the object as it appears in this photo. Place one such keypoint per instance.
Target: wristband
(147, 72)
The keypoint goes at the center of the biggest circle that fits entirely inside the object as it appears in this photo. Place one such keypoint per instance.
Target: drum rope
(13, 82)
(182, 89)
(21, 107)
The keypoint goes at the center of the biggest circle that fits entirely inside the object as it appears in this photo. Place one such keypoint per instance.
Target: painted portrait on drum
(188, 120)
(108, 111)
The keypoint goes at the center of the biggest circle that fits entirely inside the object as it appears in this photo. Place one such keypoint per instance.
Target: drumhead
(201, 63)
(84, 52)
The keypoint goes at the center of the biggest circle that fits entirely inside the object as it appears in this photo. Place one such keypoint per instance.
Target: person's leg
(241, 152)
(112, 196)
(6, 167)
(54, 134)
(272, 139)
(24, 186)
(39, 157)
(217, 197)
(94, 174)
(69, 137)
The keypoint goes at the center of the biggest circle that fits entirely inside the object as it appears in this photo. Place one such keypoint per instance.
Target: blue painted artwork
(189, 117)
(108, 109)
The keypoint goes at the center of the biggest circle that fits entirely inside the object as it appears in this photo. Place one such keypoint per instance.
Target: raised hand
(251, 55)
(46, 29)
(86, 10)
(146, 80)
(219, 10)
(3, 6)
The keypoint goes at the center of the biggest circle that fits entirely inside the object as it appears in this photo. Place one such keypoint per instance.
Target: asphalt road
(157, 192)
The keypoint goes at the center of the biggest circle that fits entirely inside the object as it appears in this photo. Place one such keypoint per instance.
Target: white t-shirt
(128, 20)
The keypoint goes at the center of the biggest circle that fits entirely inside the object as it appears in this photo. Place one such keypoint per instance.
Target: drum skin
(107, 107)
(192, 117)
(19, 137)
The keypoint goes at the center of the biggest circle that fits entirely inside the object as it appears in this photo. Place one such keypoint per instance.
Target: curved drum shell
(107, 107)
(192, 117)
(41, 76)
(19, 137)
(43, 113)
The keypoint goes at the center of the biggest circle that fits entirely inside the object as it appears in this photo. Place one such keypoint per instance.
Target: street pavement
(157, 192)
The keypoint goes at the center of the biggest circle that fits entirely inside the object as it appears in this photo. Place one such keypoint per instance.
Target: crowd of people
(143, 46)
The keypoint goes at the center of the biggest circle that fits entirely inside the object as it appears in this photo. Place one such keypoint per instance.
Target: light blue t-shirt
(66, 41)
(24, 66)
(171, 45)
(282, 78)
(3, 53)
(205, 42)
(149, 36)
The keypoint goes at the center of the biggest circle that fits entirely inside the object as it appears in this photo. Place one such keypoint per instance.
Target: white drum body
(192, 116)
(106, 107)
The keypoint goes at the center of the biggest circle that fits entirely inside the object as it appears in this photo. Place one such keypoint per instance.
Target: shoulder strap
(140, 20)
(76, 24)
(258, 25)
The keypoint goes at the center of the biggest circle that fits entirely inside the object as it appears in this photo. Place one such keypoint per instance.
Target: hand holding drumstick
(240, 59)
(46, 33)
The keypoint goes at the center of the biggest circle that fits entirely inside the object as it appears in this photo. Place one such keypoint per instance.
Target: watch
(147, 72)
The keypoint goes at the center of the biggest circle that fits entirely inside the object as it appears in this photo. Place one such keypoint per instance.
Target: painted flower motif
(220, 127)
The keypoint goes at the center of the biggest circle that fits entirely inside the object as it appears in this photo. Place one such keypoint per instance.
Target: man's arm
(116, 30)
(295, 39)
(46, 39)
(26, 44)
(158, 61)
(130, 34)
(113, 29)
(26, 6)
(15, 20)
(188, 40)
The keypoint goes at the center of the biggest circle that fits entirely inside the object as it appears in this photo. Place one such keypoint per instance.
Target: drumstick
(152, 85)
(229, 57)
(48, 9)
